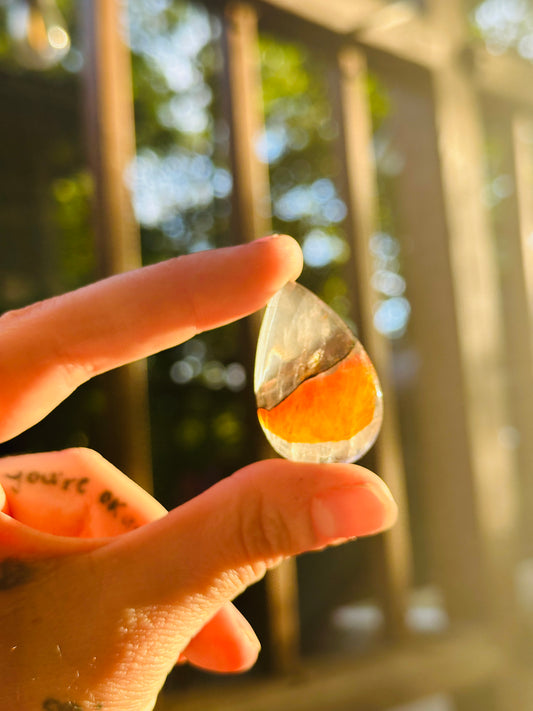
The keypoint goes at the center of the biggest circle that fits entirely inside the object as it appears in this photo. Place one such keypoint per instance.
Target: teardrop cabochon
(318, 395)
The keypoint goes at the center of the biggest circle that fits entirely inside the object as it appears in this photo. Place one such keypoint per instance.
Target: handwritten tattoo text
(77, 484)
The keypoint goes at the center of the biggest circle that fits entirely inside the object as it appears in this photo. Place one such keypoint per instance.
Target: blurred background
(394, 141)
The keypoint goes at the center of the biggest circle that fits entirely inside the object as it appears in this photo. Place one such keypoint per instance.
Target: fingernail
(291, 252)
(4, 506)
(266, 238)
(352, 511)
(247, 629)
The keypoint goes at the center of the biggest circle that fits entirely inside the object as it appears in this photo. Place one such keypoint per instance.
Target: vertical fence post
(481, 341)
(522, 155)
(467, 478)
(361, 196)
(522, 132)
(251, 219)
(509, 224)
(251, 195)
(110, 129)
(480, 329)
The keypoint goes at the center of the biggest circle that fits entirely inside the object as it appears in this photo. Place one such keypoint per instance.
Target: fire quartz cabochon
(318, 395)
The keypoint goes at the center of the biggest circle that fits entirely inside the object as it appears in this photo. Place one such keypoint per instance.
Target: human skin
(101, 589)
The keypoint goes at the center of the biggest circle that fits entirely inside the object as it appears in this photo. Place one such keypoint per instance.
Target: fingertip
(241, 659)
(350, 512)
(234, 661)
(289, 254)
(292, 253)
(227, 644)
(375, 508)
(374, 481)
(346, 500)
(4, 506)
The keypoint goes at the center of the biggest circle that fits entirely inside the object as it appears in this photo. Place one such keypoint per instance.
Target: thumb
(207, 551)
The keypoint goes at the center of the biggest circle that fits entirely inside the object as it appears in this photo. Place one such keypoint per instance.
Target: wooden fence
(472, 402)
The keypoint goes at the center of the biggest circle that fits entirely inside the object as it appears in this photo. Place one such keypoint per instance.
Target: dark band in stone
(293, 373)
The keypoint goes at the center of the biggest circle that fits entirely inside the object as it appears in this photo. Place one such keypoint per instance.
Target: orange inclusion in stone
(329, 407)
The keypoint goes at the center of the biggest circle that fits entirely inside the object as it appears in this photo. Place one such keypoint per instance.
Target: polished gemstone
(318, 395)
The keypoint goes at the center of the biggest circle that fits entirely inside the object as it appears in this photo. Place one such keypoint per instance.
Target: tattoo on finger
(79, 486)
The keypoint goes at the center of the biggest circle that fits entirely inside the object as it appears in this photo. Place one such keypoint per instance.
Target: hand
(101, 589)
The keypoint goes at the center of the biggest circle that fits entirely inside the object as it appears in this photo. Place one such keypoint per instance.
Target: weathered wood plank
(510, 225)
(375, 682)
(251, 194)
(395, 564)
(396, 29)
(441, 463)
(505, 77)
(110, 129)
(481, 339)
(522, 138)
(251, 219)
(479, 325)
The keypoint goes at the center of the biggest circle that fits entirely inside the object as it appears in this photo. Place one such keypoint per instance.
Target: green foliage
(182, 193)
(202, 404)
(70, 212)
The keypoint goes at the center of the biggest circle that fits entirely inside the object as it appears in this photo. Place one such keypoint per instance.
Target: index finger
(50, 348)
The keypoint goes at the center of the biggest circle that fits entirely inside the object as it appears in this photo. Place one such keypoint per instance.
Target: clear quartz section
(300, 336)
(318, 396)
